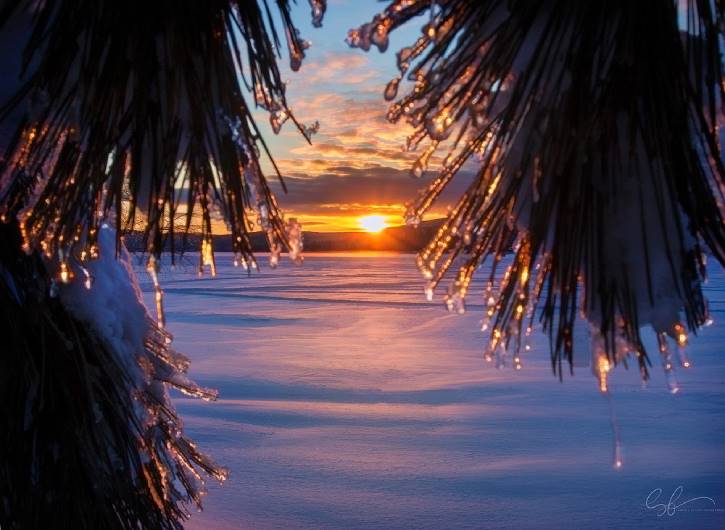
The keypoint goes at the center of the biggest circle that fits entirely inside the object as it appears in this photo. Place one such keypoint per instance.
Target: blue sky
(355, 166)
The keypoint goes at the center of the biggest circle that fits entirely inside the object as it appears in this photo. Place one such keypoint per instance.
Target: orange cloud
(354, 131)
(340, 68)
(356, 164)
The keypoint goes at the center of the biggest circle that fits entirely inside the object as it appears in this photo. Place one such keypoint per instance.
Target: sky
(355, 166)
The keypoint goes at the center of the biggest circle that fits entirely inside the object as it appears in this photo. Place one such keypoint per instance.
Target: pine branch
(136, 112)
(592, 129)
(132, 115)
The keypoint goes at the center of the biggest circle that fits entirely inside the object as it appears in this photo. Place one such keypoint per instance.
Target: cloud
(354, 130)
(350, 190)
(356, 164)
(339, 68)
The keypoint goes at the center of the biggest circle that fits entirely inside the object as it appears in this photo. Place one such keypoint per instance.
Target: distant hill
(397, 238)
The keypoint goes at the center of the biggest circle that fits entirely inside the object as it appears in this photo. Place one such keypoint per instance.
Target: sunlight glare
(373, 223)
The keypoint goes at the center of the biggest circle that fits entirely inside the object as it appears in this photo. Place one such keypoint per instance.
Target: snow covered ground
(348, 401)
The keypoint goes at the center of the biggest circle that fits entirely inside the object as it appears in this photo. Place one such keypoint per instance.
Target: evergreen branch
(593, 131)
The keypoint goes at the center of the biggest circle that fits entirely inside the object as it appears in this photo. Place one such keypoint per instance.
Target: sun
(373, 223)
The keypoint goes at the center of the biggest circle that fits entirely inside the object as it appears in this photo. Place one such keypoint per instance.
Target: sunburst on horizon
(373, 223)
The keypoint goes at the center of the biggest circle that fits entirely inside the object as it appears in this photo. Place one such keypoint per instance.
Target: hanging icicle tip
(148, 129)
(128, 119)
(592, 130)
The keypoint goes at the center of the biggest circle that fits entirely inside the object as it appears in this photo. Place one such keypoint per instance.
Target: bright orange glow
(373, 223)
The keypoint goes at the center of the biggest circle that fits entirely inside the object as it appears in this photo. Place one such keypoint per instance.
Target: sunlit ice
(373, 223)
(349, 397)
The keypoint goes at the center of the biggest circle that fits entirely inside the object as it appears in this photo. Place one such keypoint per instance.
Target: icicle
(296, 55)
(438, 127)
(418, 168)
(428, 290)
(603, 367)
(618, 460)
(65, 274)
(600, 361)
(684, 358)
(240, 260)
(311, 129)
(277, 119)
(263, 219)
(517, 361)
(412, 218)
(491, 303)
(275, 249)
(380, 37)
(455, 300)
(88, 281)
(391, 90)
(207, 257)
(501, 354)
(667, 363)
(294, 235)
(681, 338)
(527, 335)
(403, 58)
(318, 12)
(152, 267)
(354, 40)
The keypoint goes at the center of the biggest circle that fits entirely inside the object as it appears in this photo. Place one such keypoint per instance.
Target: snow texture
(105, 295)
(113, 305)
(349, 401)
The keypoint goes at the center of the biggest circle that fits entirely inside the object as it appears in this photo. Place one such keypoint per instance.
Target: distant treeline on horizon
(398, 238)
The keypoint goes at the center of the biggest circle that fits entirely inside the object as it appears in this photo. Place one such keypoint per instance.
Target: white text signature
(669, 508)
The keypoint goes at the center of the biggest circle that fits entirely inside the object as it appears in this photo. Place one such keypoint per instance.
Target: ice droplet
(391, 90)
(277, 119)
(417, 170)
(455, 302)
(318, 12)
(380, 37)
(429, 291)
(403, 57)
(294, 235)
(666, 354)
